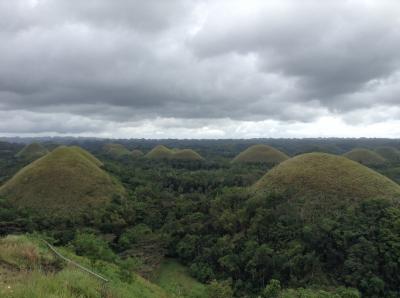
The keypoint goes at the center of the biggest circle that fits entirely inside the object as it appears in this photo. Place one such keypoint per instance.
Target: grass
(32, 152)
(365, 156)
(25, 263)
(318, 180)
(65, 182)
(389, 153)
(261, 154)
(176, 281)
(136, 153)
(116, 150)
(162, 152)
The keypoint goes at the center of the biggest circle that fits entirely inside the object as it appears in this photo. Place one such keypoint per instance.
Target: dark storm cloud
(127, 61)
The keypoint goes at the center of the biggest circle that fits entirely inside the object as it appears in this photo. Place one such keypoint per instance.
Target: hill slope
(261, 154)
(136, 153)
(32, 152)
(389, 153)
(29, 269)
(365, 157)
(64, 182)
(320, 182)
(116, 150)
(162, 152)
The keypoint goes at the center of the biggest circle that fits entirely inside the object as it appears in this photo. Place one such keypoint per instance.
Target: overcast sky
(200, 69)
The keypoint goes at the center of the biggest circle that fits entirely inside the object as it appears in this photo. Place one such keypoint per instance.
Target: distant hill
(391, 154)
(318, 183)
(116, 150)
(365, 156)
(65, 182)
(32, 152)
(162, 152)
(136, 153)
(261, 154)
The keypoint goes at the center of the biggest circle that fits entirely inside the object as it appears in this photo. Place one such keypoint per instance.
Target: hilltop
(391, 154)
(116, 150)
(261, 154)
(32, 152)
(162, 152)
(65, 182)
(365, 156)
(321, 182)
(136, 153)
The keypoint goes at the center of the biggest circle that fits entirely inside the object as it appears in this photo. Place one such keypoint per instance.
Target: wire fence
(104, 281)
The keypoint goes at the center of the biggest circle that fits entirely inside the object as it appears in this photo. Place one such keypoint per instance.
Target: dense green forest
(223, 228)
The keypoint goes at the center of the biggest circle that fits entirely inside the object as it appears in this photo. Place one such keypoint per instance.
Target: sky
(200, 68)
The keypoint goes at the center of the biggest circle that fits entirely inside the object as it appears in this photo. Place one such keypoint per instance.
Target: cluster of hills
(296, 192)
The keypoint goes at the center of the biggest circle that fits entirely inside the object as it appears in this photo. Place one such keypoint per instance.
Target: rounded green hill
(32, 152)
(65, 182)
(162, 152)
(186, 154)
(159, 152)
(389, 153)
(261, 154)
(116, 150)
(136, 153)
(321, 183)
(365, 156)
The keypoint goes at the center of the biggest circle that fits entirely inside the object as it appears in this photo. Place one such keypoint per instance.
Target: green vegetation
(320, 183)
(174, 278)
(116, 150)
(261, 154)
(389, 153)
(316, 225)
(162, 152)
(63, 183)
(30, 270)
(136, 153)
(32, 151)
(365, 157)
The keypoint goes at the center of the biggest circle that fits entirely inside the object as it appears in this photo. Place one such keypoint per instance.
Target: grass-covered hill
(186, 154)
(365, 156)
(116, 150)
(162, 152)
(391, 154)
(136, 153)
(32, 152)
(65, 182)
(29, 269)
(261, 154)
(320, 182)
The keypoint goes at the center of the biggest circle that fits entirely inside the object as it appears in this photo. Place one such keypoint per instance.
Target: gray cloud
(113, 63)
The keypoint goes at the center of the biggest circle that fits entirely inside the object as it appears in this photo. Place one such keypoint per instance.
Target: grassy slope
(87, 155)
(136, 153)
(365, 157)
(162, 152)
(116, 150)
(29, 270)
(32, 151)
(63, 182)
(174, 279)
(261, 154)
(318, 180)
(389, 153)
(186, 154)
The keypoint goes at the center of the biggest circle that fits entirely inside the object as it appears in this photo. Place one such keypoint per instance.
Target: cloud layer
(200, 68)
